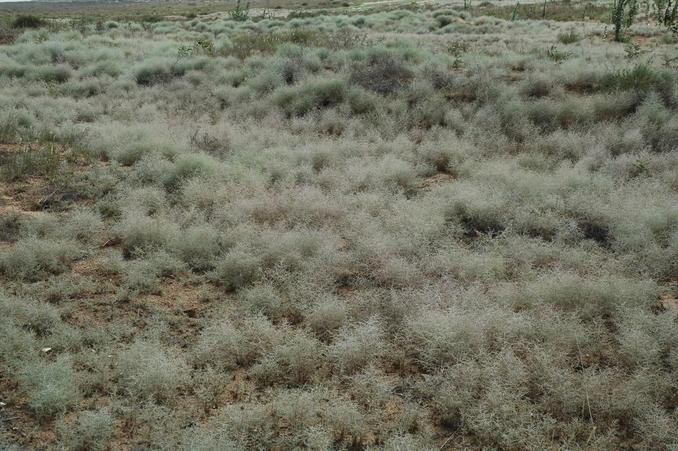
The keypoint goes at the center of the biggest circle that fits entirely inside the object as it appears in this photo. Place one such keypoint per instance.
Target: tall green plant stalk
(623, 13)
(514, 14)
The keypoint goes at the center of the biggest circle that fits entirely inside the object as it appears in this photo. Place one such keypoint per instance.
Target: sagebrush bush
(28, 21)
(327, 316)
(191, 165)
(35, 316)
(52, 387)
(18, 344)
(238, 269)
(92, 430)
(641, 79)
(591, 298)
(198, 246)
(318, 94)
(228, 345)
(262, 299)
(153, 72)
(569, 37)
(140, 233)
(33, 258)
(144, 274)
(148, 370)
(358, 346)
(293, 362)
(381, 73)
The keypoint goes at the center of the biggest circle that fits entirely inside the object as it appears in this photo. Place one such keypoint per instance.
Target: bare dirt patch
(436, 179)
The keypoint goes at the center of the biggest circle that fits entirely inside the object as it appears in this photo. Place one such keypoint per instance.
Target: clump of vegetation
(52, 387)
(92, 430)
(382, 74)
(33, 258)
(148, 371)
(28, 21)
(569, 37)
(320, 94)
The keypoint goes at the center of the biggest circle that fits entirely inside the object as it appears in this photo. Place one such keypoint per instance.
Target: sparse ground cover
(403, 229)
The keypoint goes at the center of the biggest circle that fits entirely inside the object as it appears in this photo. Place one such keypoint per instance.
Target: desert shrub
(92, 430)
(615, 106)
(381, 73)
(237, 269)
(10, 127)
(100, 68)
(360, 100)
(266, 81)
(358, 345)
(8, 35)
(443, 338)
(52, 387)
(198, 246)
(10, 225)
(478, 214)
(641, 79)
(33, 258)
(292, 362)
(17, 346)
(149, 167)
(312, 418)
(228, 345)
(569, 37)
(28, 21)
(469, 267)
(590, 298)
(149, 201)
(149, 370)
(144, 275)
(83, 225)
(128, 143)
(248, 425)
(345, 419)
(43, 161)
(190, 165)
(372, 387)
(38, 317)
(538, 86)
(294, 62)
(550, 115)
(643, 339)
(140, 233)
(327, 316)
(199, 438)
(659, 125)
(150, 73)
(262, 299)
(245, 44)
(317, 94)
(64, 287)
(56, 74)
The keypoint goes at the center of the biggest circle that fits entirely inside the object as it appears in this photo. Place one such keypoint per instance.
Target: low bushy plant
(33, 258)
(52, 387)
(147, 370)
(92, 430)
(28, 21)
